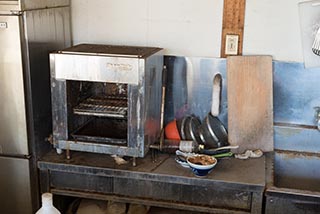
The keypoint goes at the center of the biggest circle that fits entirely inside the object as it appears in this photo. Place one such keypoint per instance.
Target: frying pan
(189, 128)
(212, 132)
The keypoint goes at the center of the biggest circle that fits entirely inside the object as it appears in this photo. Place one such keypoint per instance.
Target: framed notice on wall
(310, 32)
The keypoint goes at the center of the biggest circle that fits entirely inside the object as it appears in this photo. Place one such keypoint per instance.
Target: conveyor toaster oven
(106, 99)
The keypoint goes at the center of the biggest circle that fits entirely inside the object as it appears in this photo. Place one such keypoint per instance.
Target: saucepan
(212, 132)
(189, 126)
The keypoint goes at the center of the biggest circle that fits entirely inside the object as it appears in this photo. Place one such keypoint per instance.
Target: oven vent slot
(103, 106)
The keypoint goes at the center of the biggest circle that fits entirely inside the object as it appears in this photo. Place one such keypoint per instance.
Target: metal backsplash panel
(296, 94)
(297, 139)
(189, 87)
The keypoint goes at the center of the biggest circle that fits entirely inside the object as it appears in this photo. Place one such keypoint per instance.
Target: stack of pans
(211, 132)
(188, 128)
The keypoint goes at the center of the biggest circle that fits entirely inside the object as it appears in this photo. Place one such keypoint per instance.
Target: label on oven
(3, 25)
(119, 66)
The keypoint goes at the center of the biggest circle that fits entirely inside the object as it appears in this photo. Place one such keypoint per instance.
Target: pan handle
(163, 95)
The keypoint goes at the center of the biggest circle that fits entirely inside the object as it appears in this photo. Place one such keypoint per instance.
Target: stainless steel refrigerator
(29, 30)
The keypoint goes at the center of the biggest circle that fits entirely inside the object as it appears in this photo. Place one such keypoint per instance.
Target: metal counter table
(234, 186)
(292, 183)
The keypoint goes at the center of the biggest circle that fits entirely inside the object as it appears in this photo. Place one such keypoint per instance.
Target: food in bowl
(201, 165)
(202, 160)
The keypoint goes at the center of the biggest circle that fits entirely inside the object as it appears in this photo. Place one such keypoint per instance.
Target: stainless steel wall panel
(46, 31)
(189, 87)
(13, 126)
(296, 93)
(49, 28)
(296, 139)
(15, 190)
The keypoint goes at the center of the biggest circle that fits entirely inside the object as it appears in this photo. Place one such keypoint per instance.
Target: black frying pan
(212, 132)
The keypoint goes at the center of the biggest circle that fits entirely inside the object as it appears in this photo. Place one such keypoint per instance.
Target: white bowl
(200, 169)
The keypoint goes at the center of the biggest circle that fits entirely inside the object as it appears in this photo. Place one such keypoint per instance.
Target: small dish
(201, 165)
(182, 163)
(181, 158)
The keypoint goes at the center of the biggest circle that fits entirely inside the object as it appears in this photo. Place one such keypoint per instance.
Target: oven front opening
(98, 112)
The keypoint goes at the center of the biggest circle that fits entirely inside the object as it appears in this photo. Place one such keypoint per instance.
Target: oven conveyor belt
(115, 107)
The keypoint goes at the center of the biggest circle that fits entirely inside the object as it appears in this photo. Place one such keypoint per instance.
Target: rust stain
(294, 154)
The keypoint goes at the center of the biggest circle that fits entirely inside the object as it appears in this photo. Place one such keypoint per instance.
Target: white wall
(272, 27)
(182, 27)
(188, 27)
